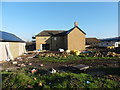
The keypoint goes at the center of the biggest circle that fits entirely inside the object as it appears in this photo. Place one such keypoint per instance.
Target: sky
(26, 19)
(118, 18)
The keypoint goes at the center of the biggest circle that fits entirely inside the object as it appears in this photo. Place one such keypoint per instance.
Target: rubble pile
(67, 53)
(104, 54)
(113, 54)
(60, 54)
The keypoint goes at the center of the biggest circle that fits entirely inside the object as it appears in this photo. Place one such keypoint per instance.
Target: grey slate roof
(5, 36)
(92, 40)
(111, 39)
(57, 32)
(49, 32)
(67, 32)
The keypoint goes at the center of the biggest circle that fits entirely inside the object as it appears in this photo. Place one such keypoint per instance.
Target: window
(55, 38)
(44, 38)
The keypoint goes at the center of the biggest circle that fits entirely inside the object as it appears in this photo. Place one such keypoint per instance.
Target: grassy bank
(16, 80)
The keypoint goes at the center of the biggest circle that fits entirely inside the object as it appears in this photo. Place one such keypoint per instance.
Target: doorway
(45, 46)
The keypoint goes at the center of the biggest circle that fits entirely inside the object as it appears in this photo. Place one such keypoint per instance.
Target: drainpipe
(51, 42)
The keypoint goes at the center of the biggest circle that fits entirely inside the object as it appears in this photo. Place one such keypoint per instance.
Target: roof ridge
(53, 30)
(60, 32)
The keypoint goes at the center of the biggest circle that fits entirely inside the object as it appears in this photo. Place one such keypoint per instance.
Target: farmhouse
(73, 39)
(11, 46)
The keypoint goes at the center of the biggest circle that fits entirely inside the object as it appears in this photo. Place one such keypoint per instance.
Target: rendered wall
(42, 40)
(76, 40)
(11, 50)
(58, 42)
(3, 53)
(14, 49)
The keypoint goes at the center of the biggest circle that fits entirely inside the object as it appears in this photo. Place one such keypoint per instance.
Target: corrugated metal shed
(5, 36)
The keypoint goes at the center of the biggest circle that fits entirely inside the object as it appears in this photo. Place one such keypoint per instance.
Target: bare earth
(109, 64)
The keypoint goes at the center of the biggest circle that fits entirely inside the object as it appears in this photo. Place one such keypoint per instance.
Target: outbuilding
(11, 46)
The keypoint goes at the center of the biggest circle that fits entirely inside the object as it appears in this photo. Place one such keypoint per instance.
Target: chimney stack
(75, 23)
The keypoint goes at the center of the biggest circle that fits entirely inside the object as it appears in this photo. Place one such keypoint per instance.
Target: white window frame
(55, 38)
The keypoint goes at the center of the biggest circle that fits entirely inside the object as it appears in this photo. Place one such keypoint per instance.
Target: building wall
(17, 48)
(14, 48)
(3, 52)
(42, 40)
(58, 42)
(66, 42)
(76, 40)
(54, 42)
(11, 50)
(107, 43)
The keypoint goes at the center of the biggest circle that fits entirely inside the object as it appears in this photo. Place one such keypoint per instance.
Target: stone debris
(32, 56)
(113, 54)
(41, 65)
(60, 54)
(81, 67)
(103, 54)
(75, 52)
(61, 50)
(29, 86)
(14, 62)
(19, 57)
(67, 51)
(30, 64)
(52, 70)
(40, 84)
(33, 70)
(19, 65)
(35, 78)
(22, 65)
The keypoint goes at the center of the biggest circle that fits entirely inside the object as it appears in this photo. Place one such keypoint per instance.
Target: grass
(110, 70)
(72, 57)
(22, 78)
(20, 81)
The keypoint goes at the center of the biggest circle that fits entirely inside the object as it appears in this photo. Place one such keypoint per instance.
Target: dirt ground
(27, 61)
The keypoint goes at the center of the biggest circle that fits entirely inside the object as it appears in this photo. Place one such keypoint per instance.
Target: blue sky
(25, 19)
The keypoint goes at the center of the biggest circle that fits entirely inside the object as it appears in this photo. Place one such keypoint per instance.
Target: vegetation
(23, 78)
(58, 80)
(71, 57)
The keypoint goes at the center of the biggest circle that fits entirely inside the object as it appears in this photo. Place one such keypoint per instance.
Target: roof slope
(49, 32)
(67, 32)
(111, 39)
(92, 40)
(57, 32)
(75, 27)
(5, 36)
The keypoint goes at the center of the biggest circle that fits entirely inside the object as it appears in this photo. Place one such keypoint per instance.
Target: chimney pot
(75, 23)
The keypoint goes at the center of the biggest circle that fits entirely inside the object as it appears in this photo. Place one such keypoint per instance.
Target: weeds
(72, 57)
(58, 80)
